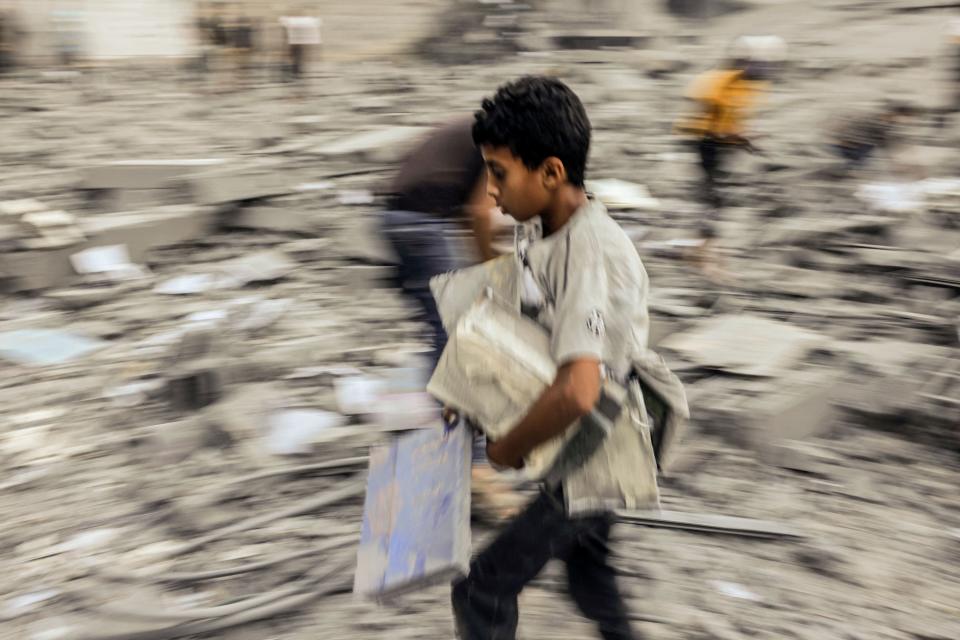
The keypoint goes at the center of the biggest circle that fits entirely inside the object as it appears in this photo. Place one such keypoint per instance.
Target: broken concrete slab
(280, 219)
(127, 200)
(388, 144)
(18, 208)
(112, 258)
(308, 250)
(145, 230)
(803, 405)
(236, 185)
(139, 232)
(262, 266)
(745, 344)
(143, 174)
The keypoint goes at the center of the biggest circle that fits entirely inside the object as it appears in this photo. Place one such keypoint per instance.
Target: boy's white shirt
(586, 285)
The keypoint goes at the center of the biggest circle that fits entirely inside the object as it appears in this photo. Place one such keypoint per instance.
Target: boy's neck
(567, 202)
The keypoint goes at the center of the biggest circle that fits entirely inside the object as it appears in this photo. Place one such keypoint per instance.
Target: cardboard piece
(416, 516)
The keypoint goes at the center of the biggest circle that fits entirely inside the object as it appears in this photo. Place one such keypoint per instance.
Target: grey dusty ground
(138, 473)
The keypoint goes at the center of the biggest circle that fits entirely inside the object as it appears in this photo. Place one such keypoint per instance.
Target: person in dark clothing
(858, 138)
(6, 42)
(438, 189)
(242, 34)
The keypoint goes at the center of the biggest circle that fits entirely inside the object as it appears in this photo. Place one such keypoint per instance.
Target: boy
(583, 281)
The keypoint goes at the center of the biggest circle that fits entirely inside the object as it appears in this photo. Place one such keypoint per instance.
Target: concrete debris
(45, 346)
(19, 208)
(111, 261)
(380, 145)
(821, 370)
(295, 431)
(619, 194)
(274, 218)
(142, 174)
(744, 344)
(234, 185)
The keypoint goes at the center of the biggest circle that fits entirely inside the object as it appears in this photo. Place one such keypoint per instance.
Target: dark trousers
(485, 602)
(298, 54)
(713, 153)
(854, 155)
(424, 249)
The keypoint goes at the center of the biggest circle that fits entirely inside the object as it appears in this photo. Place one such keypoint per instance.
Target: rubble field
(200, 340)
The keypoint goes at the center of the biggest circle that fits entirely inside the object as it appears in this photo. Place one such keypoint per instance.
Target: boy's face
(519, 191)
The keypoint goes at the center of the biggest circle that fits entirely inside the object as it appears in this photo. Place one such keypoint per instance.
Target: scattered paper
(26, 603)
(355, 197)
(744, 344)
(894, 197)
(186, 285)
(357, 395)
(294, 431)
(734, 590)
(101, 259)
(323, 185)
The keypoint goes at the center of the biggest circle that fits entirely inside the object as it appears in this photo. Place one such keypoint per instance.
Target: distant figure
(68, 30)
(303, 37)
(7, 41)
(243, 36)
(857, 138)
(439, 188)
(953, 36)
(204, 27)
(724, 98)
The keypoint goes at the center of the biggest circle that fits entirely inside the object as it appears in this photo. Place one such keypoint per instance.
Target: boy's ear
(554, 173)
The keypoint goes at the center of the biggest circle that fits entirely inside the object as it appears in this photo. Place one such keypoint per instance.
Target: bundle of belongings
(497, 363)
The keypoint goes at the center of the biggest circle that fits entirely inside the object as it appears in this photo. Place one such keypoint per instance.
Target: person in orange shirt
(724, 98)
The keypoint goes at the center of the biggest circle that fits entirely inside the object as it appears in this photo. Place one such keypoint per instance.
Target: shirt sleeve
(582, 304)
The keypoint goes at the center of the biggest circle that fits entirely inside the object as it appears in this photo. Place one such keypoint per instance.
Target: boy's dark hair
(537, 117)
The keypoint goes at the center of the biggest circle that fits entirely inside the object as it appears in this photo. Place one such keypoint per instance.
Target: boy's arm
(572, 395)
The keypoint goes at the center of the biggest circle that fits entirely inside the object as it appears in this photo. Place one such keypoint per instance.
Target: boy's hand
(499, 456)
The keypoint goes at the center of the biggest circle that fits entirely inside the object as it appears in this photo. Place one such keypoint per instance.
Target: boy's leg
(485, 602)
(592, 581)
